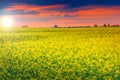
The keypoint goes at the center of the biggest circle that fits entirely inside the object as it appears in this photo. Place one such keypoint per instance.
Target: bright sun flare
(7, 21)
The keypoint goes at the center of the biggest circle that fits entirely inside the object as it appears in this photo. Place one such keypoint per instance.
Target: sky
(47, 13)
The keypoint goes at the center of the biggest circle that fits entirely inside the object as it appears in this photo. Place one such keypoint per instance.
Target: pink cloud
(65, 16)
(53, 11)
(27, 7)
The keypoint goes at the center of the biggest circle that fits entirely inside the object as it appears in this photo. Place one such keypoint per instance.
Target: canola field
(60, 54)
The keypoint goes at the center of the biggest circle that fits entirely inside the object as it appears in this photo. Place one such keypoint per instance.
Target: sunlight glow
(7, 22)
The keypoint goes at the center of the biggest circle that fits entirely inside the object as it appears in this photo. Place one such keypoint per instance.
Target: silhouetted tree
(25, 26)
(95, 25)
(116, 25)
(108, 25)
(55, 26)
(104, 25)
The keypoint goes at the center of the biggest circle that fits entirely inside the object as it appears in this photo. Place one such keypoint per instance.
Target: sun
(7, 21)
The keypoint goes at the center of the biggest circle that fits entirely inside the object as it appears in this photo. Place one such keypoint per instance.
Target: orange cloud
(99, 12)
(58, 10)
(27, 7)
(62, 15)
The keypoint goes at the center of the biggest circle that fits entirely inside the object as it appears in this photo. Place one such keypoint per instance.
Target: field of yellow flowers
(60, 54)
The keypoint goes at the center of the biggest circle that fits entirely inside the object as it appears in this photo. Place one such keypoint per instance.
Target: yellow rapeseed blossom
(60, 54)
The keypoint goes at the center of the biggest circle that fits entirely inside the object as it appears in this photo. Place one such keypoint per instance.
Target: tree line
(95, 25)
(107, 25)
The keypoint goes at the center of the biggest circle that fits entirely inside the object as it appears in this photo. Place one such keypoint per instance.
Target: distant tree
(25, 26)
(95, 25)
(55, 26)
(104, 25)
(69, 27)
(116, 25)
(108, 25)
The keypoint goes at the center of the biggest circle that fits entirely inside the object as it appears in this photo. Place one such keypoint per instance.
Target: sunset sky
(46, 13)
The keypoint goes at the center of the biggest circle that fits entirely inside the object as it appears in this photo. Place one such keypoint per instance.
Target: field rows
(60, 54)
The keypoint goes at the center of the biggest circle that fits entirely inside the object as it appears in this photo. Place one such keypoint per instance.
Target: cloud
(99, 12)
(35, 10)
(93, 11)
(63, 14)
(27, 7)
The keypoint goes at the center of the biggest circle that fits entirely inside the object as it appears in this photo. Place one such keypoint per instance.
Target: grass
(60, 54)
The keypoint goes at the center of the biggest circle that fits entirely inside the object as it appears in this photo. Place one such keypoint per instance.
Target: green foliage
(60, 54)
